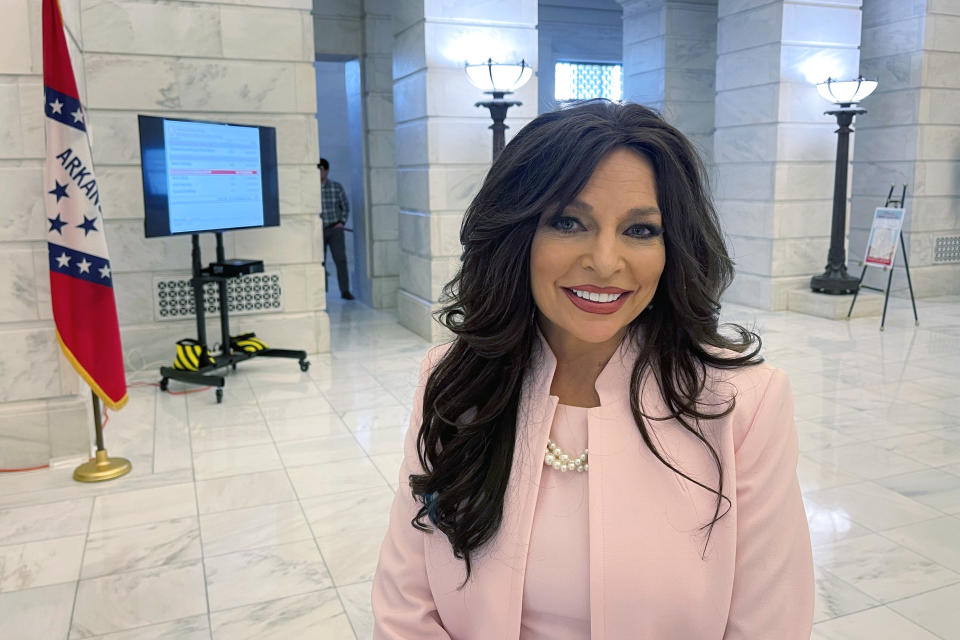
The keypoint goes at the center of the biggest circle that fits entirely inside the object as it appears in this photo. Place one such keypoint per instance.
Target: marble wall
(910, 135)
(442, 140)
(244, 62)
(575, 30)
(774, 149)
(669, 57)
(43, 412)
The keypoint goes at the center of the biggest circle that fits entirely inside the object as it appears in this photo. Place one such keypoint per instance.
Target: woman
(590, 457)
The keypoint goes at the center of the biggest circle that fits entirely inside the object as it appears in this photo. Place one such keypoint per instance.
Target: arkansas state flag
(81, 284)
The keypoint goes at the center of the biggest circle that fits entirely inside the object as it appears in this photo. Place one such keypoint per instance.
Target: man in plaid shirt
(334, 210)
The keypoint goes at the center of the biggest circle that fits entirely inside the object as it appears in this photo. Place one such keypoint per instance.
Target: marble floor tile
(938, 540)
(870, 505)
(936, 611)
(814, 474)
(834, 597)
(171, 435)
(130, 508)
(236, 392)
(389, 466)
(337, 513)
(883, 569)
(949, 406)
(335, 477)
(356, 400)
(352, 557)
(298, 453)
(812, 437)
(379, 441)
(37, 564)
(245, 490)
(311, 406)
(311, 615)
(192, 628)
(867, 461)
(238, 435)
(231, 462)
(286, 392)
(44, 521)
(224, 415)
(32, 614)
(126, 600)
(395, 415)
(277, 376)
(141, 547)
(879, 623)
(831, 525)
(926, 447)
(306, 427)
(263, 526)
(935, 488)
(267, 573)
(356, 602)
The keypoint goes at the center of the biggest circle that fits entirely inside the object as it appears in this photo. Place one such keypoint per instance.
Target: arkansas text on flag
(81, 284)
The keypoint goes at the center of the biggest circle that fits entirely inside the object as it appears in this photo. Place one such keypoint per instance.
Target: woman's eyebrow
(643, 212)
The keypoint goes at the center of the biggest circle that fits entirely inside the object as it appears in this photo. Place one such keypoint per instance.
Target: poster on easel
(884, 235)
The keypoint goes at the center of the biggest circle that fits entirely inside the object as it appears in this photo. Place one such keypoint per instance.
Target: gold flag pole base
(102, 468)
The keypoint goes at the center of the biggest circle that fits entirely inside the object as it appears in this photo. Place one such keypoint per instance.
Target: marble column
(43, 410)
(443, 144)
(911, 135)
(669, 60)
(774, 149)
(382, 219)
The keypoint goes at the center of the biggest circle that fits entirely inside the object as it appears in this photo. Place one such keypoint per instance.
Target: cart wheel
(304, 365)
(219, 395)
(164, 384)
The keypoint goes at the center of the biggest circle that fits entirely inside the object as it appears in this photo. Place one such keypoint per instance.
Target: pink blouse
(556, 588)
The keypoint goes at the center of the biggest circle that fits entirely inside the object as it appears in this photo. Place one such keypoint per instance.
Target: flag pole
(101, 467)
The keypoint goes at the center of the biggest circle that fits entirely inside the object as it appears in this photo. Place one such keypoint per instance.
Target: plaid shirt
(333, 203)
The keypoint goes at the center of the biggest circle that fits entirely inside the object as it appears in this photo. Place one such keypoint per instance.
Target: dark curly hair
(466, 439)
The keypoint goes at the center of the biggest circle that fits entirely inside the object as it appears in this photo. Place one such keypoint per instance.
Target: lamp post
(498, 80)
(846, 94)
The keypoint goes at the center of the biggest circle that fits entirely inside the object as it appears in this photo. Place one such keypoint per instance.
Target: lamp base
(835, 281)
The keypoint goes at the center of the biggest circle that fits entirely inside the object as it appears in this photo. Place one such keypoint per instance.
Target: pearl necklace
(556, 458)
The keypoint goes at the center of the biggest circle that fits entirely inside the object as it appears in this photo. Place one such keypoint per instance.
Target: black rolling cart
(207, 375)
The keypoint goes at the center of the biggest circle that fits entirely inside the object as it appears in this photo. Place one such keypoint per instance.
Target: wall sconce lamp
(845, 94)
(498, 80)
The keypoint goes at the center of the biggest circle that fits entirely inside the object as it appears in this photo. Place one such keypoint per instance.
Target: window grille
(583, 80)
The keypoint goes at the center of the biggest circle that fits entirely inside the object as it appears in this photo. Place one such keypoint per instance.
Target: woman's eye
(644, 231)
(565, 224)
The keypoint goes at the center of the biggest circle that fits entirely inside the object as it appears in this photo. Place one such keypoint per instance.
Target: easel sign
(882, 245)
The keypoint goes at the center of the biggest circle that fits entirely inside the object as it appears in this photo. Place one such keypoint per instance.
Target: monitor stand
(206, 375)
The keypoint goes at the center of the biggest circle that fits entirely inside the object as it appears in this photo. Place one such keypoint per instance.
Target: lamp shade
(846, 92)
(495, 77)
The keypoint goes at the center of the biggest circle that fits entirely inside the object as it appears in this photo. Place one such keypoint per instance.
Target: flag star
(60, 191)
(56, 224)
(77, 115)
(84, 266)
(56, 106)
(63, 260)
(87, 225)
(104, 271)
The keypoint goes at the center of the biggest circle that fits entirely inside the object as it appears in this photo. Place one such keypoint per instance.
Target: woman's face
(595, 265)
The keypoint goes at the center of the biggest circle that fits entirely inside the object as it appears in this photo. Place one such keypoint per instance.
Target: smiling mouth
(595, 296)
(600, 300)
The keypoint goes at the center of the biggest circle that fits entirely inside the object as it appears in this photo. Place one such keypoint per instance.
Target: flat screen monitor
(207, 176)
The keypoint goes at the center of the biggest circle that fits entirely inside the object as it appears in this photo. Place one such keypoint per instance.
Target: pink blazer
(648, 576)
